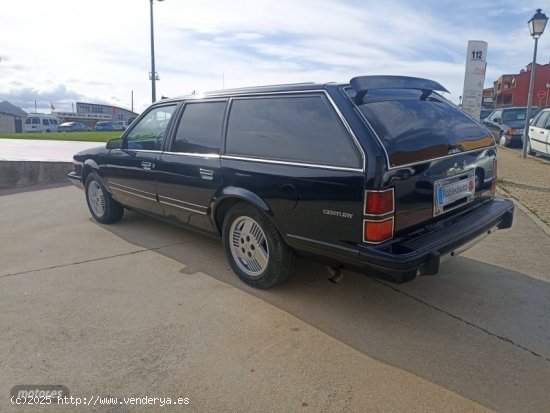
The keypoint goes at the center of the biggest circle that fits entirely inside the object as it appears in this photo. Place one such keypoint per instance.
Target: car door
(493, 122)
(188, 172)
(538, 132)
(130, 172)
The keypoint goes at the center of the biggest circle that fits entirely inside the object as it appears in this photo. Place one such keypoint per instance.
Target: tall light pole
(153, 74)
(536, 28)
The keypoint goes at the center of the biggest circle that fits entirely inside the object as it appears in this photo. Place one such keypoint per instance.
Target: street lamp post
(153, 74)
(536, 28)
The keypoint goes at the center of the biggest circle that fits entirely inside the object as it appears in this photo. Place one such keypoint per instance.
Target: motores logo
(24, 393)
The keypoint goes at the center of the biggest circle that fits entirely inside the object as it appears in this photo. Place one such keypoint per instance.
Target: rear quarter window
(303, 129)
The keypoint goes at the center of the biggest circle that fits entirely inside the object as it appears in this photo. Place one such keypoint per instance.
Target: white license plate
(448, 191)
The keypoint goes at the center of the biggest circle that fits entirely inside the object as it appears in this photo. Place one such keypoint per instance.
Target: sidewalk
(527, 181)
(42, 150)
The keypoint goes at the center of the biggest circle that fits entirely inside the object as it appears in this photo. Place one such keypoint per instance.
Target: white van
(39, 122)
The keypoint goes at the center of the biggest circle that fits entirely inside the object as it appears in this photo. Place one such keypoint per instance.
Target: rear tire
(102, 206)
(254, 248)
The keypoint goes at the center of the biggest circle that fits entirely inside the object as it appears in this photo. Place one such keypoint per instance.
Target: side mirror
(117, 143)
(496, 120)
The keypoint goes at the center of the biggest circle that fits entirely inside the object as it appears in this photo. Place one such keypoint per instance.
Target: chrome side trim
(307, 165)
(182, 207)
(134, 194)
(143, 150)
(322, 243)
(195, 155)
(183, 202)
(113, 185)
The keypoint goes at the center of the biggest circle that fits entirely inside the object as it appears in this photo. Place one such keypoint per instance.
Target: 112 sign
(477, 55)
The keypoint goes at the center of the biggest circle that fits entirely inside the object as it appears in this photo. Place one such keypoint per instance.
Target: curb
(17, 174)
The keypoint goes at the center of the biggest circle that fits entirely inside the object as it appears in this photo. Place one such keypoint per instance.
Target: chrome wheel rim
(249, 246)
(96, 199)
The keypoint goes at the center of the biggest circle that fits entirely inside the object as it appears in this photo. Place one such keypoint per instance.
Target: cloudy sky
(61, 51)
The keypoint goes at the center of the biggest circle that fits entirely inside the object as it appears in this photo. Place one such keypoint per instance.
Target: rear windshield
(511, 115)
(416, 126)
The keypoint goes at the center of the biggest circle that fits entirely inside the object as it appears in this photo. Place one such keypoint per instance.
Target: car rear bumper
(421, 252)
(75, 179)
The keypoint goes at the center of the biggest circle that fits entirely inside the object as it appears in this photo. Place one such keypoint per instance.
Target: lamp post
(153, 74)
(536, 28)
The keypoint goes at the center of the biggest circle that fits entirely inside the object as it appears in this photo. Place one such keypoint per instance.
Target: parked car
(102, 126)
(119, 125)
(73, 127)
(484, 113)
(539, 134)
(327, 171)
(39, 122)
(507, 124)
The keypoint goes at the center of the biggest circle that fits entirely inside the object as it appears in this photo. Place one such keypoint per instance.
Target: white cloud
(100, 50)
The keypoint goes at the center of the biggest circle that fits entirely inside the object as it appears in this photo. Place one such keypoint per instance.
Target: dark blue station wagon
(382, 175)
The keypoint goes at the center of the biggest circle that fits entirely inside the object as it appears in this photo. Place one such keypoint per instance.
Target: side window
(496, 115)
(45, 122)
(541, 120)
(302, 129)
(200, 128)
(149, 132)
(35, 121)
(28, 121)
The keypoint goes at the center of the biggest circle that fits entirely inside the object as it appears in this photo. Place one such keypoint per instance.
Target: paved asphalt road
(143, 308)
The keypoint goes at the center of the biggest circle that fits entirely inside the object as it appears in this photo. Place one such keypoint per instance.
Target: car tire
(502, 140)
(102, 206)
(254, 248)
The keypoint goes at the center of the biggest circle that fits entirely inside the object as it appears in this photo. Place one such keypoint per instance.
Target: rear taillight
(378, 231)
(379, 202)
(378, 223)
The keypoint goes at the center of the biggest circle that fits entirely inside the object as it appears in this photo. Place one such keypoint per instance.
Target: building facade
(12, 118)
(91, 113)
(513, 89)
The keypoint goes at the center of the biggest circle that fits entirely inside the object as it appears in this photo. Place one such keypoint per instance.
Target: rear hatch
(440, 161)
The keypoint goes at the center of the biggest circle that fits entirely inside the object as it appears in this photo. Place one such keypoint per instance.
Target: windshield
(414, 125)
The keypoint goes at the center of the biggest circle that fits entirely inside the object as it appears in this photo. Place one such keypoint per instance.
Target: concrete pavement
(83, 307)
(143, 308)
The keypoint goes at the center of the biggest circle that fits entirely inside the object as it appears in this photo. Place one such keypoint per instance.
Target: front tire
(254, 248)
(102, 206)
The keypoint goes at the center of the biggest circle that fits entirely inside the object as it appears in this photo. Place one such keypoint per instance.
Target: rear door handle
(207, 174)
(147, 165)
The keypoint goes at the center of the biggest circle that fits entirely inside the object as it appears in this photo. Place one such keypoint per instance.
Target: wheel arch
(230, 196)
(88, 167)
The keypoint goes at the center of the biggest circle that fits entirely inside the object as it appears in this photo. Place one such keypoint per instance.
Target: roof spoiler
(362, 84)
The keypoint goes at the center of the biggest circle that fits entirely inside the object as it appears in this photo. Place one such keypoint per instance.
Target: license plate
(451, 190)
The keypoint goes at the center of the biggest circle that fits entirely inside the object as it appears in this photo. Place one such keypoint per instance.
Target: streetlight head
(537, 24)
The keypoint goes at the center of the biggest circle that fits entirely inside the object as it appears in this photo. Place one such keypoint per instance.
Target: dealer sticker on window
(450, 193)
